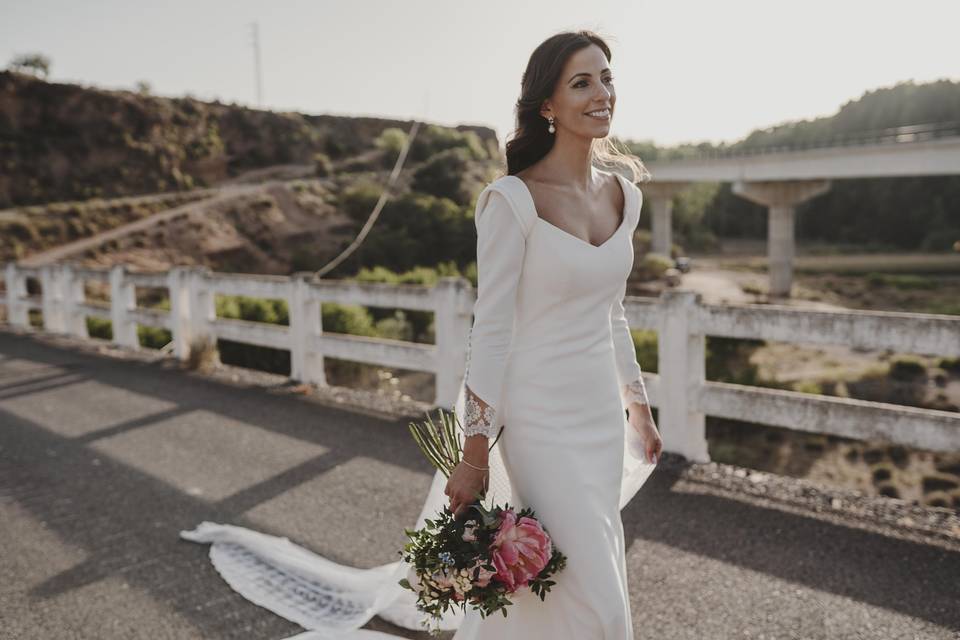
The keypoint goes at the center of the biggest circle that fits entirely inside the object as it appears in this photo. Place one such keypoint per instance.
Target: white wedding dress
(551, 357)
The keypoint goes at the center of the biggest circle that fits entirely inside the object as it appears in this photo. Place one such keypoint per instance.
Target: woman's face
(585, 85)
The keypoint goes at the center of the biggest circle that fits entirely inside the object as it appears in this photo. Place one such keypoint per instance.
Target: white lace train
(332, 601)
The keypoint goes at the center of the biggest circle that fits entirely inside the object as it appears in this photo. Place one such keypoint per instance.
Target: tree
(34, 63)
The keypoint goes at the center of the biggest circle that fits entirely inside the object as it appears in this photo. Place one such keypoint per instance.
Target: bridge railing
(680, 389)
(890, 135)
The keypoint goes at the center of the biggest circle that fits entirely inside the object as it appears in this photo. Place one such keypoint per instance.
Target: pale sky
(685, 71)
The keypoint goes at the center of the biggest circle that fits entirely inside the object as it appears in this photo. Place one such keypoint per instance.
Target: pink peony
(520, 550)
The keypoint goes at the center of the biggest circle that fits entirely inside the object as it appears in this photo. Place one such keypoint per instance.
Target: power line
(384, 195)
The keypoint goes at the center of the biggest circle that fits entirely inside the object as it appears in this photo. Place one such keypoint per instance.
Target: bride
(551, 366)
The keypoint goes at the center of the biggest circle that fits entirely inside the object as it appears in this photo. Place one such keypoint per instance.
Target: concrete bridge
(105, 457)
(780, 178)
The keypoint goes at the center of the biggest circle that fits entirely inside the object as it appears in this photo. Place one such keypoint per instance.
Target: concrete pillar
(51, 303)
(781, 198)
(203, 308)
(682, 370)
(453, 308)
(18, 315)
(306, 323)
(178, 286)
(661, 227)
(123, 300)
(73, 296)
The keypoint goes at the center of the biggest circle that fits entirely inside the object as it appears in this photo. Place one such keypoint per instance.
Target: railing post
(17, 313)
(51, 302)
(306, 322)
(682, 369)
(75, 322)
(123, 300)
(178, 286)
(453, 306)
(203, 308)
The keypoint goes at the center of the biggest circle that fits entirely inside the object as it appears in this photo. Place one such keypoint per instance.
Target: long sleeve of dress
(500, 249)
(632, 388)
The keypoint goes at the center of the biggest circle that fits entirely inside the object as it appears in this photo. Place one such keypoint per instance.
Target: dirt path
(66, 250)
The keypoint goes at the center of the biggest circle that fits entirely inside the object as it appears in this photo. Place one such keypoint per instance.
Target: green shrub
(443, 176)
(271, 310)
(907, 369)
(99, 328)
(808, 386)
(153, 337)
(343, 318)
(432, 140)
(903, 281)
(646, 344)
(391, 141)
(358, 200)
(653, 266)
(322, 165)
(728, 360)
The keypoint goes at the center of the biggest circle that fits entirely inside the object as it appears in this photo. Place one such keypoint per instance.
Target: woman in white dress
(550, 360)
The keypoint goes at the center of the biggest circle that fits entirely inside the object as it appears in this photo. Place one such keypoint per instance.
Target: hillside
(109, 176)
(70, 142)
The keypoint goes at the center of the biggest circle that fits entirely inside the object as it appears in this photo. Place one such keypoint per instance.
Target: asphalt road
(103, 461)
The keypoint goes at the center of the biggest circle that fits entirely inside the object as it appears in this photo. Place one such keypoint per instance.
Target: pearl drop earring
(551, 128)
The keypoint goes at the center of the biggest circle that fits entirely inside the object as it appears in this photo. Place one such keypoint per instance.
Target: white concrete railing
(680, 391)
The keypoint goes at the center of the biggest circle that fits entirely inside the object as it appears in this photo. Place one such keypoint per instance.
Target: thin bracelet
(464, 461)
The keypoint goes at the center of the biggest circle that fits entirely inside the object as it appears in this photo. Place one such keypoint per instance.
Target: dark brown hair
(531, 140)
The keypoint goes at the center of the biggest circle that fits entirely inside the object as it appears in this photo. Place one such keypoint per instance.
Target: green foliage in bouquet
(441, 550)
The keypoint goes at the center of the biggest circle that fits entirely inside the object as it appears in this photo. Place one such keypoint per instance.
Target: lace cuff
(634, 392)
(478, 417)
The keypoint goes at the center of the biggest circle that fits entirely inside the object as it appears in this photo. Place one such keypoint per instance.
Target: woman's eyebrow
(587, 73)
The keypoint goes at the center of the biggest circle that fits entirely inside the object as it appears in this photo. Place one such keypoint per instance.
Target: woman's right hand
(465, 486)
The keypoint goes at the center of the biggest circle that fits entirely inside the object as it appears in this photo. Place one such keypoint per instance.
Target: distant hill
(63, 142)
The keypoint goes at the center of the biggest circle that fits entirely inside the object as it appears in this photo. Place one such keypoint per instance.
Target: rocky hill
(71, 142)
(115, 176)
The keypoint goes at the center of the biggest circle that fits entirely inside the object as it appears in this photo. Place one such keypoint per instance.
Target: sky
(685, 70)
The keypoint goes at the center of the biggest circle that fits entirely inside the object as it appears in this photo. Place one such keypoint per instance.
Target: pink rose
(520, 550)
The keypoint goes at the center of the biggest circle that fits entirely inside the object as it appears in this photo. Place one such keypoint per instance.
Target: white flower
(414, 579)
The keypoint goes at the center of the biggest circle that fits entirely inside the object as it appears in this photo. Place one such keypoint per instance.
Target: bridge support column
(682, 369)
(16, 282)
(452, 310)
(306, 323)
(781, 198)
(661, 226)
(123, 300)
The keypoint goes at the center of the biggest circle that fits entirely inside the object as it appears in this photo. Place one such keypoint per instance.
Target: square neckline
(623, 214)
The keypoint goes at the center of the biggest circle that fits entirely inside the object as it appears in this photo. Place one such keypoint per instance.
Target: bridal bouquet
(480, 558)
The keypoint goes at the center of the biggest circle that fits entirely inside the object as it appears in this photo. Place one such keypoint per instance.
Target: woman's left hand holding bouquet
(466, 484)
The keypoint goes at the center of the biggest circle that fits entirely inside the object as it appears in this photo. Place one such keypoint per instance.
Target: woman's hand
(641, 419)
(466, 485)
